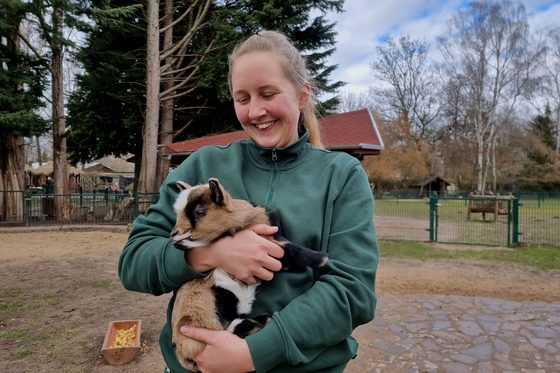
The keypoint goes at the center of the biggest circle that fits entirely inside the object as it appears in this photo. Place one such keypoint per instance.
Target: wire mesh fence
(490, 220)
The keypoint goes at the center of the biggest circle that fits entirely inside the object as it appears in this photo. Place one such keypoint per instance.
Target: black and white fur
(206, 213)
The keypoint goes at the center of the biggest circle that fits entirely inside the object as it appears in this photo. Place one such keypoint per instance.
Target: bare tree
(408, 89)
(176, 70)
(352, 101)
(179, 70)
(551, 68)
(488, 64)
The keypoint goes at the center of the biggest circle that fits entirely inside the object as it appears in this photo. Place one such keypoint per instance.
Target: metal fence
(31, 209)
(447, 220)
(531, 218)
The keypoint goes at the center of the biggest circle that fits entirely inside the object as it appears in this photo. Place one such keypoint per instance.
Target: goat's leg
(297, 258)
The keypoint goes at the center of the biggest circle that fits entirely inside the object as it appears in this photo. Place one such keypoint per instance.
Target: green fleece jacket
(323, 201)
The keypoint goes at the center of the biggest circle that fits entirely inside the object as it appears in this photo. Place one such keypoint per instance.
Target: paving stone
(463, 358)
(439, 333)
(485, 367)
(438, 324)
(502, 346)
(481, 351)
(470, 328)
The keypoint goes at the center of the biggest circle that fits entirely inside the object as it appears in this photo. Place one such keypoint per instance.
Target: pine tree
(106, 112)
(543, 128)
(234, 21)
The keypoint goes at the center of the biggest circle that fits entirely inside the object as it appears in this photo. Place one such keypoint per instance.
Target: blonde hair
(294, 67)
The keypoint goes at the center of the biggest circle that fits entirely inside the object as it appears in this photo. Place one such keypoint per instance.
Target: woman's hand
(247, 256)
(224, 352)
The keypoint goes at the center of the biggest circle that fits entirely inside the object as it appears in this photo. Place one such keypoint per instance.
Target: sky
(366, 23)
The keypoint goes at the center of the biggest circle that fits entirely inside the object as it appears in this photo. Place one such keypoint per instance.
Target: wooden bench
(496, 205)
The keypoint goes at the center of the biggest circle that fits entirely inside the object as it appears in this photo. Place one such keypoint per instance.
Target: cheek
(282, 107)
(240, 113)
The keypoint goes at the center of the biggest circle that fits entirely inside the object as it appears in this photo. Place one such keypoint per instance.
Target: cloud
(365, 24)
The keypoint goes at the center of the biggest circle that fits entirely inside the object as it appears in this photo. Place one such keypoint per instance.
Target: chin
(265, 141)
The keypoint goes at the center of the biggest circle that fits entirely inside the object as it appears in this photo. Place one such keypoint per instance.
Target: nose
(174, 232)
(256, 109)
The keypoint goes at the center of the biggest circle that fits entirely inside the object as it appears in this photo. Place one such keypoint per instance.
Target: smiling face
(267, 103)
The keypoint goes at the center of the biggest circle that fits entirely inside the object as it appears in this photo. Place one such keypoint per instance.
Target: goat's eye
(199, 211)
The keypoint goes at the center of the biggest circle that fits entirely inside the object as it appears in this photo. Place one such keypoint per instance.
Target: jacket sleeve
(342, 298)
(149, 262)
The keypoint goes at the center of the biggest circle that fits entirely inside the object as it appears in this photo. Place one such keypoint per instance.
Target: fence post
(515, 222)
(27, 213)
(136, 204)
(433, 217)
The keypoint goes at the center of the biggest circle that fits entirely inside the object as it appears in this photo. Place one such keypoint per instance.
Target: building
(353, 132)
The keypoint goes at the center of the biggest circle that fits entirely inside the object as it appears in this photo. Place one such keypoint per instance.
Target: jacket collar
(282, 158)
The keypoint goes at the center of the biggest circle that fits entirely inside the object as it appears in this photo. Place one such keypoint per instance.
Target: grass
(21, 335)
(536, 256)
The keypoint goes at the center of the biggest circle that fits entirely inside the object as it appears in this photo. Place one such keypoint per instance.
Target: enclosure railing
(30, 208)
(523, 218)
(446, 219)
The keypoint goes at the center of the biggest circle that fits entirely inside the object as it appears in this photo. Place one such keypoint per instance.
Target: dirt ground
(60, 290)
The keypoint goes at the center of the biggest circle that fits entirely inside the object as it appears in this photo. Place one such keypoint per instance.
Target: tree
(106, 112)
(353, 101)
(193, 68)
(399, 165)
(488, 65)
(551, 67)
(208, 109)
(51, 19)
(541, 167)
(409, 86)
(21, 86)
(544, 128)
(147, 178)
(180, 69)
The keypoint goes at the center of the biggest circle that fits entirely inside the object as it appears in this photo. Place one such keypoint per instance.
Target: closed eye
(242, 100)
(269, 94)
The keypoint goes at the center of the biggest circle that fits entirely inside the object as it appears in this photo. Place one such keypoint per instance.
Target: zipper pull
(274, 155)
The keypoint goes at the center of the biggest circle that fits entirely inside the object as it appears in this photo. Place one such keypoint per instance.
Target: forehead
(190, 195)
(258, 69)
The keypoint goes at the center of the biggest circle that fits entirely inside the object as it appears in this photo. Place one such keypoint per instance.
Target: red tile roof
(354, 132)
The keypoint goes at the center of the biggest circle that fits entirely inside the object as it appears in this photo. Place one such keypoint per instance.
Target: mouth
(185, 240)
(265, 125)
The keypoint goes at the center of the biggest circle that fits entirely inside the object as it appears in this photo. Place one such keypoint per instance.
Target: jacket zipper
(274, 178)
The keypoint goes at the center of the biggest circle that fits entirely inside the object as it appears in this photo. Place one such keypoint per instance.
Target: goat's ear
(219, 195)
(182, 185)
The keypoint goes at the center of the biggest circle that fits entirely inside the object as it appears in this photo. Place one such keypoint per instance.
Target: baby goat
(218, 301)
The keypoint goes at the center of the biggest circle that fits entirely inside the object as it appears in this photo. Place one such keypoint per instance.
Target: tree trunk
(147, 178)
(39, 155)
(12, 178)
(166, 126)
(60, 165)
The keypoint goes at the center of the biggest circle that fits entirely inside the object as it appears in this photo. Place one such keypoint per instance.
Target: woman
(323, 202)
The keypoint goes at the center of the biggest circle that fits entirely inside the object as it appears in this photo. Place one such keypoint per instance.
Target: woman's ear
(305, 93)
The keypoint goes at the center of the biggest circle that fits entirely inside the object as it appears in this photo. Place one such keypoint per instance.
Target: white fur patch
(181, 201)
(244, 293)
(233, 324)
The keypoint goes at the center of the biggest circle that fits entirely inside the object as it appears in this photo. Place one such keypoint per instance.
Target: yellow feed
(125, 337)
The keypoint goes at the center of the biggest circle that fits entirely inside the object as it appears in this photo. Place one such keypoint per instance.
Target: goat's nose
(174, 232)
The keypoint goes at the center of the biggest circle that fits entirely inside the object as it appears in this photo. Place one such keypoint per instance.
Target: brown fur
(192, 303)
(192, 308)
(206, 213)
